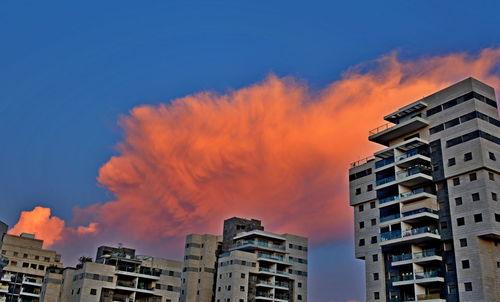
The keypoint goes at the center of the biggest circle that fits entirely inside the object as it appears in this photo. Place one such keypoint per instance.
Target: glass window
(451, 162)
(468, 156)
(458, 201)
(478, 217)
(460, 221)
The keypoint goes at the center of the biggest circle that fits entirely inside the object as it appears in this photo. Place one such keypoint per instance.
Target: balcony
(415, 235)
(282, 285)
(417, 278)
(256, 244)
(412, 158)
(272, 272)
(430, 298)
(425, 256)
(414, 176)
(420, 215)
(32, 281)
(124, 283)
(264, 296)
(384, 181)
(388, 132)
(273, 258)
(389, 217)
(411, 196)
(384, 162)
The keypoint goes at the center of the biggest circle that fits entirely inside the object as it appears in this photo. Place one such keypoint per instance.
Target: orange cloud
(275, 150)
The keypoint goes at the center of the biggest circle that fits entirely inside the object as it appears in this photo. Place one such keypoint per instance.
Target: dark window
(372, 204)
(361, 224)
(463, 242)
(494, 196)
(468, 156)
(451, 162)
(93, 291)
(243, 275)
(458, 201)
(452, 123)
(299, 284)
(465, 264)
(358, 191)
(478, 217)
(492, 156)
(361, 208)
(497, 217)
(456, 181)
(242, 288)
(374, 239)
(444, 225)
(25, 256)
(369, 188)
(468, 286)
(475, 196)
(436, 129)
(472, 176)
(374, 221)
(375, 276)
(460, 221)
(361, 242)
(375, 257)
(376, 295)
(491, 176)
(299, 297)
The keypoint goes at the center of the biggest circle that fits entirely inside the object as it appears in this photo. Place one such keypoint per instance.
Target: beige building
(117, 275)
(246, 264)
(27, 263)
(426, 206)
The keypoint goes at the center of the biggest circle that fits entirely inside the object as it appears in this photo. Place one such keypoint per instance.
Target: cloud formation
(275, 151)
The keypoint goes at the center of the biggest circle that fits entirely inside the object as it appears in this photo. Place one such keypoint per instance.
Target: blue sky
(69, 69)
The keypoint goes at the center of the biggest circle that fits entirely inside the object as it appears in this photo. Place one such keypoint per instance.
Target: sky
(172, 116)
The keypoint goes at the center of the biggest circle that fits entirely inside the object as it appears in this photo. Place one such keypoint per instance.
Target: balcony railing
(385, 180)
(413, 171)
(273, 257)
(418, 211)
(260, 243)
(280, 284)
(125, 283)
(384, 162)
(381, 128)
(264, 294)
(362, 161)
(408, 233)
(390, 217)
(263, 269)
(416, 276)
(402, 195)
(418, 255)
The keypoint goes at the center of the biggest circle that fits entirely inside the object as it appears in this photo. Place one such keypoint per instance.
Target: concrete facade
(250, 265)
(426, 207)
(27, 263)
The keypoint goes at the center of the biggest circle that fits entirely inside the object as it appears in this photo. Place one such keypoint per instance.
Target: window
(497, 217)
(376, 295)
(475, 196)
(478, 217)
(456, 181)
(361, 224)
(372, 205)
(37, 257)
(491, 176)
(374, 221)
(465, 264)
(26, 264)
(452, 289)
(25, 255)
(229, 287)
(444, 225)
(460, 221)
(299, 297)
(451, 162)
(463, 242)
(15, 254)
(450, 267)
(13, 263)
(242, 288)
(78, 292)
(93, 291)
(299, 284)
(243, 276)
(46, 259)
(468, 156)
(375, 257)
(374, 239)
(458, 201)
(472, 176)
(361, 242)
(494, 196)
(492, 156)
(375, 276)
(468, 286)
(361, 208)
(33, 266)
(358, 191)
(41, 267)
(369, 188)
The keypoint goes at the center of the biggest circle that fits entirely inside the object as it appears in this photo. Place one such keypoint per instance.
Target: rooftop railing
(260, 243)
(381, 128)
(362, 161)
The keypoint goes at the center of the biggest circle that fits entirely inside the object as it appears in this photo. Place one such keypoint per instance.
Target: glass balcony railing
(385, 180)
(418, 255)
(273, 257)
(260, 243)
(384, 162)
(413, 171)
(424, 297)
(390, 217)
(405, 277)
(408, 233)
(429, 274)
(264, 294)
(411, 153)
(280, 284)
(402, 195)
(263, 269)
(418, 211)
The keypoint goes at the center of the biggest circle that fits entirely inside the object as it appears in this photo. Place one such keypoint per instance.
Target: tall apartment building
(27, 262)
(3, 260)
(245, 264)
(117, 275)
(426, 206)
